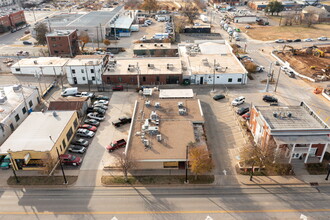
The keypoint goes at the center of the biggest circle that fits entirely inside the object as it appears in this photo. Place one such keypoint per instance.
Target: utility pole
(269, 75)
(138, 74)
(12, 166)
(42, 73)
(187, 148)
(278, 78)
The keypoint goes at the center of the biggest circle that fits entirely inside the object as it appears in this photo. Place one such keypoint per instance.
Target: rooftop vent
(141, 45)
(151, 66)
(55, 114)
(35, 62)
(275, 114)
(289, 114)
(170, 66)
(182, 111)
(180, 104)
(159, 137)
(3, 99)
(147, 103)
(157, 104)
(154, 116)
(17, 88)
(155, 45)
(161, 45)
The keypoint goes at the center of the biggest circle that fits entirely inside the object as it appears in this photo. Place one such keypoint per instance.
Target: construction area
(313, 61)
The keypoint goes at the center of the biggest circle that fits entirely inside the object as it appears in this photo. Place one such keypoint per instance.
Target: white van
(70, 92)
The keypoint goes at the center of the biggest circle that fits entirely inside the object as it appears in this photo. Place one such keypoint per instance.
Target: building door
(74, 80)
(201, 80)
(12, 127)
(312, 152)
(182, 165)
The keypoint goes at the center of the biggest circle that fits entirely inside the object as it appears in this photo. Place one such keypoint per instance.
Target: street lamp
(278, 78)
(187, 166)
(59, 159)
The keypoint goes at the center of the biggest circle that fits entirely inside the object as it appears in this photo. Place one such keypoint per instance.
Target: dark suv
(121, 121)
(268, 98)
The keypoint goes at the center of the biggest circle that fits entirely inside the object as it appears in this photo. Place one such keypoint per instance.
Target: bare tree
(41, 31)
(200, 4)
(150, 5)
(106, 42)
(84, 38)
(48, 163)
(179, 24)
(309, 19)
(191, 12)
(126, 163)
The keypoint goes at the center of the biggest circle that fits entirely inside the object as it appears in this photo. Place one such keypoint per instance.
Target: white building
(6, 2)
(16, 102)
(245, 19)
(50, 66)
(208, 61)
(86, 69)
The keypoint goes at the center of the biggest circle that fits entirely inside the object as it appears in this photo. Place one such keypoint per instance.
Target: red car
(118, 88)
(70, 159)
(246, 116)
(116, 144)
(88, 127)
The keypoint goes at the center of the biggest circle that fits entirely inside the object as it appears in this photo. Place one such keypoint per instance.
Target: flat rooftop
(176, 130)
(153, 46)
(176, 93)
(57, 33)
(83, 62)
(300, 117)
(33, 134)
(13, 99)
(160, 65)
(41, 61)
(123, 22)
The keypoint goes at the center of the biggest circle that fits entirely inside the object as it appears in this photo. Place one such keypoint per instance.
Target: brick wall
(63, 45)
(144, 79)
(17, 18)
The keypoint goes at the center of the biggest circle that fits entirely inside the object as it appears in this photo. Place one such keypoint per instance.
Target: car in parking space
(27, 42)
(81, 142)
(268, 98)
(243, 110)
(77, 149)
(115, 145)
(85, 133)
(218, 97)
(92, 122)
(284, 68)
(279, 41)
(322, 38)
(121, 121)
(118, 88)
(85, 94)
(308, 40)
(102, 97)
(288, 40)
(290, 73)
(100, 106)
(95, 109)
(297, 40)
(246, 116)
(88, 127)
(5, 162)
(238, 101)
(103, 102)
(69, 159)
(144, 25)
(95, 116)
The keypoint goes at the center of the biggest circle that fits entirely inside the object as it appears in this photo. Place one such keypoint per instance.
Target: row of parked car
(299, 40)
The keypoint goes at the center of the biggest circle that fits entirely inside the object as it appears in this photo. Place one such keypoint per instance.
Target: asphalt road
(166, 203)
(10, 38)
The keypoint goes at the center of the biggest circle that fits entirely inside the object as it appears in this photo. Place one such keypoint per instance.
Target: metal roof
(123, 22)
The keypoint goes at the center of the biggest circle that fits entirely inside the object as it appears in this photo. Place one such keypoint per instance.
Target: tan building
(39, 137)
(163, 127)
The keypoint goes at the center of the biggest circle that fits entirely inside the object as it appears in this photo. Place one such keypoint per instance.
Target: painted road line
(166, 212)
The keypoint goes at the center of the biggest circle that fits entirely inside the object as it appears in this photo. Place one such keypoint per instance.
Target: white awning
(300, 139)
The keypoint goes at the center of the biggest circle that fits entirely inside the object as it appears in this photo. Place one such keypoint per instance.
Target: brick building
(151, 71)
(295, 132)
(63, 43)
(11, 20)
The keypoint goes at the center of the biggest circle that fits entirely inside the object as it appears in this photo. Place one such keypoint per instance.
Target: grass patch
(41, 180)
(317, 168)
(156, 180)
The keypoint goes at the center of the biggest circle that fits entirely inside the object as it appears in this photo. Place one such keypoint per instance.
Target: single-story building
(70, 103)
(155, 50)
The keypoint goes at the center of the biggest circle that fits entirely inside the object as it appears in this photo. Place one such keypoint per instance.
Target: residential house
(316, 14)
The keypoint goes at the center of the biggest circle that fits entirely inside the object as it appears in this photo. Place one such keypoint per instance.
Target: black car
(218, 97)
(81, 142)
(289, 41)
(92, 122)
(125, 120)
(243, 110)
(268, 98)
(297, 40)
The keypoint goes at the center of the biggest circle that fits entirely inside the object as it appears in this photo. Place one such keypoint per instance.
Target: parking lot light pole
(59, 159)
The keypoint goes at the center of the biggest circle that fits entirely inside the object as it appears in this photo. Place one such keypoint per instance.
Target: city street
(166, 203)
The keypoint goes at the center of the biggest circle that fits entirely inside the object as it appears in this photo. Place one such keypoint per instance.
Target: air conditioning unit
(157, 104)
(3, 99)
(182, 111)
(159, 137)
(111, 69)
(180, 104)
(151, 66)
(170, 66)
(205, 62)
(147, 103)
(131, 69)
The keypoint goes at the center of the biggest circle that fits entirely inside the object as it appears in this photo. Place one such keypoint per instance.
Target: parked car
(238, 101)
(5, 163)
(81, 142)
(92, 122)
(27, 42)
(103, 102)
(284, 68)
(22, 53)
(290, 73)
(297, 40)
(268, 98)
(246, 116)
(95, 116)
(308, 40)
(88, 127)
(100, 106)
(85, 133)
(102, 97)
(322, 38)
(279, 41)
(218, 97)
(144, 25)
(242, 111)
(116, 144)
(121, 121)
(70, 159)
(99, 110)
(85, 94)
(289, 41)
(117, 88)
(77, 149)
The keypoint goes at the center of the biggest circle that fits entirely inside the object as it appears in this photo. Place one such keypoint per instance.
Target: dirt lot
(267, 33)
(302, 63)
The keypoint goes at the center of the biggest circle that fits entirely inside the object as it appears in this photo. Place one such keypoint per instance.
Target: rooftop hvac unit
(111, 69)
(17, 88)
(112, 62)
(182, 111)
(154, 116)
(147, 103)
(205, 62)
(180, 104)
(157, 104)
(131, 65)
(145, 125)
(289, 114)
(159, 137)
(161, 45)
(35, 62)
(151, 66)
(153, 130)
(155, 45)
(146, 142)
(170, 66)
(275, 114)
(131, 69)
(3, 99)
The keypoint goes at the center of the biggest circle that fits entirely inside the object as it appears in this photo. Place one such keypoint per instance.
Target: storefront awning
(299, 139)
